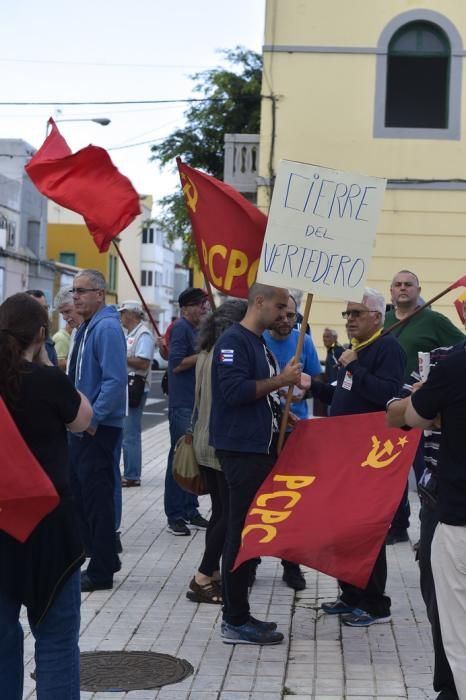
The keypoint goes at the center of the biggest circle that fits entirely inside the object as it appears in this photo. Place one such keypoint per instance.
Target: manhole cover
(130, 670)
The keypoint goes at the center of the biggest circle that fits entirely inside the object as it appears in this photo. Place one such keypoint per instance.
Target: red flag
(459, 283)
(86, 182)
(228, 231)
(330, 498)
(460, 306)
(26, 493)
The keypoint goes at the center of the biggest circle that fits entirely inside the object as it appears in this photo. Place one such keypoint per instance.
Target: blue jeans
(179, 504)
(56, 646)
(132, 451)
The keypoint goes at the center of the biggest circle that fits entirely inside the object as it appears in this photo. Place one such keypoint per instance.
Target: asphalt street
(156, 408)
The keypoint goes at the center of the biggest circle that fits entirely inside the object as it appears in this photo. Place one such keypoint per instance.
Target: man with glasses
(98, 369)
(282, 340)
(370, 373)
(181, 507)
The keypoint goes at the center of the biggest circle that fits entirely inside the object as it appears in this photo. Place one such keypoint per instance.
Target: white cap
(132, 305)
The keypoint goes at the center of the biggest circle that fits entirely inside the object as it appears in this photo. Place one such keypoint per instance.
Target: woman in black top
(43, 572)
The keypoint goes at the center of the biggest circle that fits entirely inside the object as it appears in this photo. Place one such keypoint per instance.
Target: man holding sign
(244, 426)
(369, 372)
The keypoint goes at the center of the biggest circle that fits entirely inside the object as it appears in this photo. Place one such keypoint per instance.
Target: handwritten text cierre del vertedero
(326, 198)
(313, 264)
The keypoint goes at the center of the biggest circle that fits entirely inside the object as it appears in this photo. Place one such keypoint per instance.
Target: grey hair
(96, 278)
(331, 331)
(64, 296)
(231, 311)
(374, 301)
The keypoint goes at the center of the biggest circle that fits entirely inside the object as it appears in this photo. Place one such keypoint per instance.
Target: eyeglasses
(84, 290)
(356, 313)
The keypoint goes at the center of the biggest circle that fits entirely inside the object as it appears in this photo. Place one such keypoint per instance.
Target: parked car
(158, 362)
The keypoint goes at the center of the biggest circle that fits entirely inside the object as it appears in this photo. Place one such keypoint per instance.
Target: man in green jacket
(426, 331)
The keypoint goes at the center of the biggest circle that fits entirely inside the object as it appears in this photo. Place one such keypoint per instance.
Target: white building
(152, 264)
(23, 225)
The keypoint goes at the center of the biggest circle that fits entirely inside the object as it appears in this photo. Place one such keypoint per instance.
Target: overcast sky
(99, 50)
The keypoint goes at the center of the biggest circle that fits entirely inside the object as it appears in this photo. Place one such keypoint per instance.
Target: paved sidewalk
(320, 659)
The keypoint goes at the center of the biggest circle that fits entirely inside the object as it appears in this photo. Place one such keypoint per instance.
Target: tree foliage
(231, 106)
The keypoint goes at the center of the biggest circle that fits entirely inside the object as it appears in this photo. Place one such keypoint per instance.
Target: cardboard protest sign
(321, 229)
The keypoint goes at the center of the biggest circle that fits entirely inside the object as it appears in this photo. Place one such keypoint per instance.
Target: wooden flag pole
(299, 349)
(418, 310)
(138, 291)
(209, 291)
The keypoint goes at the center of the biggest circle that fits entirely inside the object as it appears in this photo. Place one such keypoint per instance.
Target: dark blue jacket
(376, 376)
(238, 421)
(181, 384)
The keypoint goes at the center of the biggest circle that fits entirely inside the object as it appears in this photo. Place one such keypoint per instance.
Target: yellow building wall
(75, 238)
(325, 115)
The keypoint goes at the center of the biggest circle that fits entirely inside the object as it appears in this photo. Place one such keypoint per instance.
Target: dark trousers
(216, 529)
(93, 482)
(244, 473)
(178, 503)
(443, 677)
(372, 598)
(400, 520)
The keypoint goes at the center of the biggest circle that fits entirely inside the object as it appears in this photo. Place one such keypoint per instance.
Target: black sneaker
(294, 578)
(337, 607)
(198, 522)
(178, 527)
(260, 624)
(249, 634)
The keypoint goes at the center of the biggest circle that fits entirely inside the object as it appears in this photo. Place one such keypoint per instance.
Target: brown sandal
(208, 593)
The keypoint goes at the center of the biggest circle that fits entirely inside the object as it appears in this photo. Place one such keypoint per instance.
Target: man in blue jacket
(98, 369)
(282, 339)
(180, 506)
(244, 426)
(370, 373)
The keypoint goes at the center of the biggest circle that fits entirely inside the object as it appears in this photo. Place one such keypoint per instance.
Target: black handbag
(136, 385)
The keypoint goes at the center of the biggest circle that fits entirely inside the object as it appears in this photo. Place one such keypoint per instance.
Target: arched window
(418, 77)
(418, 86)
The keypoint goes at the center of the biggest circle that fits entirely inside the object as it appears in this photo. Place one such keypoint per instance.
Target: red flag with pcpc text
(26, 493)
(331, 496)
(228, 231)
(86, 182)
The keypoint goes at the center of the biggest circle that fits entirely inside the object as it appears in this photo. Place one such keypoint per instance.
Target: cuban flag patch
(226, 357)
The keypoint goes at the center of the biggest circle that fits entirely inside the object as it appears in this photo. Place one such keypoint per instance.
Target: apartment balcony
(241, 163)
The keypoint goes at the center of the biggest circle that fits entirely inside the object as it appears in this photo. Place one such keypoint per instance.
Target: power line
(105, 65)
(132, 145)
(240, 98)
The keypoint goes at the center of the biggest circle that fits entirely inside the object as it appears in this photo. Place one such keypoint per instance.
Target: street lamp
(103, 121)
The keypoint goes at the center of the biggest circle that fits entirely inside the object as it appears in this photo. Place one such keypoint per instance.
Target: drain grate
(113, 671)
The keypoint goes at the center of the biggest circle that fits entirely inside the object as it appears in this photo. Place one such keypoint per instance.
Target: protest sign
(321, 229)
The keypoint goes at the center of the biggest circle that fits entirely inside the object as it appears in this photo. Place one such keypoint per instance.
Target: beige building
(375, 87)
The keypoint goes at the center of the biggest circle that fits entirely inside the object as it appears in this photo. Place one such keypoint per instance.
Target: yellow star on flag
(402, 441)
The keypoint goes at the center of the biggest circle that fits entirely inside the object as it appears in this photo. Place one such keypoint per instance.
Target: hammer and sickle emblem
(374, 458)
(190, 192)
